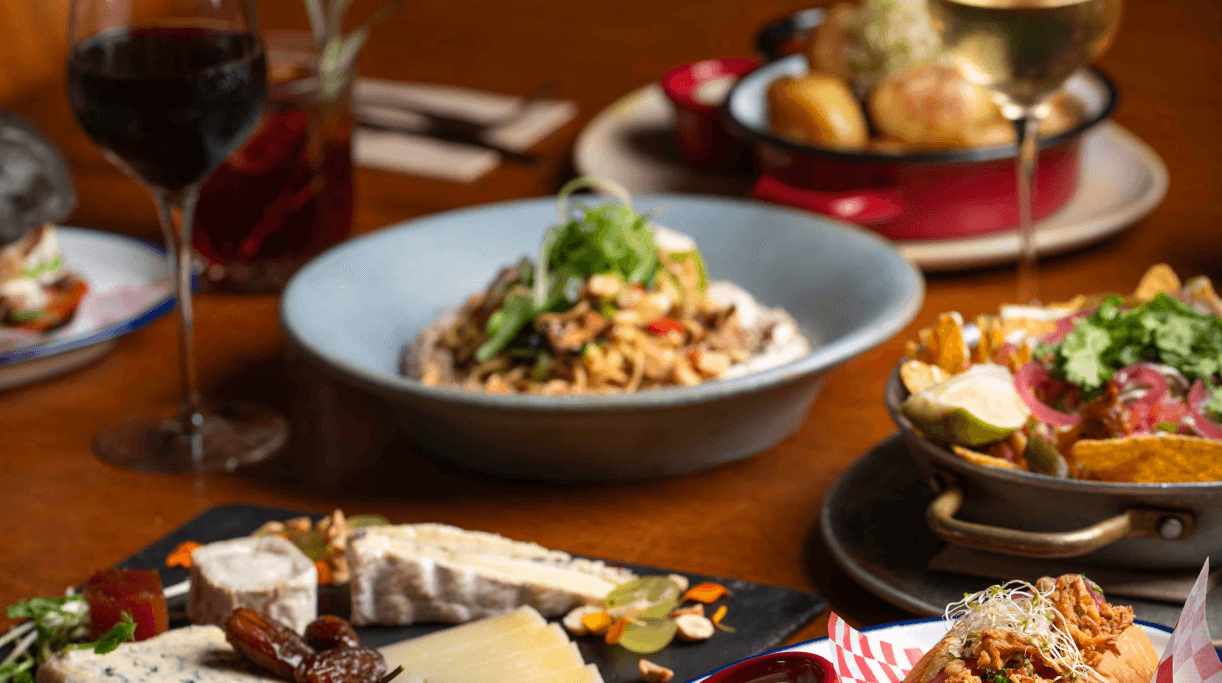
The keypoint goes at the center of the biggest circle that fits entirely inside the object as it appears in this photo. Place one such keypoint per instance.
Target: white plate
(129, 287)
(1123, 179)
(922, 633)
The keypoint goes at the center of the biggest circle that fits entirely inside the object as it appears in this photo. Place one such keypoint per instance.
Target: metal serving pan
(1147, 526)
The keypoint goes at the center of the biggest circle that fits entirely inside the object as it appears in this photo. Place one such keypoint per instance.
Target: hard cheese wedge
(517, 647)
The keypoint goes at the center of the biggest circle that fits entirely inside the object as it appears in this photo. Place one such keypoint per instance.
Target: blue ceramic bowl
(353, 308)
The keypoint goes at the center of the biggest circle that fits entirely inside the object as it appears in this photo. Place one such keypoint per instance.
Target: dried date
(342, 665)
(266, 642)
(329, 632)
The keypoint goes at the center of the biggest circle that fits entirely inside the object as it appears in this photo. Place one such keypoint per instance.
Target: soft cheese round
(268, 574)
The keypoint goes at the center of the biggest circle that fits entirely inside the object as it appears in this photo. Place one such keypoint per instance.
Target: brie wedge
(267, 574)
(434, 572)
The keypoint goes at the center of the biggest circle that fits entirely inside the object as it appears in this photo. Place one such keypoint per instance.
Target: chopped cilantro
(1164, 331)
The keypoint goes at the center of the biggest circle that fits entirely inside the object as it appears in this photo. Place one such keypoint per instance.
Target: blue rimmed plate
(129, 287)
(922, 633)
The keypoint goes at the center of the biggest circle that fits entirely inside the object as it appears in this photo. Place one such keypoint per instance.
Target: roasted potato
(819, 109)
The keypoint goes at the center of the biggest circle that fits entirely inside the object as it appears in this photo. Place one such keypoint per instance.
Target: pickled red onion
(1196, 404)
(1026, 379)
(1145, 374)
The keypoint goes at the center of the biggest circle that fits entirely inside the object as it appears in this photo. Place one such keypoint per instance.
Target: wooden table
(65, 514)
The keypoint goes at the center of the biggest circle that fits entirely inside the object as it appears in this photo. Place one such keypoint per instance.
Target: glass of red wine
(168, 89)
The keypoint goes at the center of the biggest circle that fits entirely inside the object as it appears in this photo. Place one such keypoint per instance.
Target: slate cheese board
(763, 616)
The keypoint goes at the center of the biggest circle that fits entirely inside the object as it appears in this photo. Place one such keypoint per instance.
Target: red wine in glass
(171, 102)
(168, 96)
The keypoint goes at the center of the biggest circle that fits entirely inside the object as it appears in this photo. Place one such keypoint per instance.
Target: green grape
(657, 594)
(358, 521)
(312, 543)
(648, 636)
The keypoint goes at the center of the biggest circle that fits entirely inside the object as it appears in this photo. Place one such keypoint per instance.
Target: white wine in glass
(1023, 51)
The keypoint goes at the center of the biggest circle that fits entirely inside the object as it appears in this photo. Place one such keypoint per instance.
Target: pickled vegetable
(648, 636)
(111, 592)
(269, 644)
(649, 597)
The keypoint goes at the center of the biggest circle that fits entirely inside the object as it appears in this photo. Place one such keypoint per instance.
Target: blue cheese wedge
(195, 654)
(433, 572)
(266, 573)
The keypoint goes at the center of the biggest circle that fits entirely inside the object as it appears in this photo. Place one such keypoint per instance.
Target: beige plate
(1123, 179)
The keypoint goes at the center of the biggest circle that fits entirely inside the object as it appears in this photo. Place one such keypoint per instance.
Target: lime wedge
(973, 408)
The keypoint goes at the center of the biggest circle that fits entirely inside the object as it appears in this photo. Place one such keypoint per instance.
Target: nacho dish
(37, 292)
(612, 304)
(1110, 388)
(1059, 629)
(880, 81)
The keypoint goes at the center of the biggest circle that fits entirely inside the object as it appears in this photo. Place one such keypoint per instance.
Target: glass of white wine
(1024, 51)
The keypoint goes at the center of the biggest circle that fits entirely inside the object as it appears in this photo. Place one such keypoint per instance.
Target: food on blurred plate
(266, 573)
(403, 574)
(1058, 629)
(817, 108)
(37, 291)
(886, 53)
(613, 304)
(1111, 388)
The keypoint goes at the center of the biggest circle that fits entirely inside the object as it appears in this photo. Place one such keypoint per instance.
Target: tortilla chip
(982, 459)
(912, 350)
(917, 375)
(1199, 293)
(951, 348)
(991, 339)
(1159, 279)
(1150, 458)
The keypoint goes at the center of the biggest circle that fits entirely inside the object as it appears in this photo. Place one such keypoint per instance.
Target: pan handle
(1167, 524)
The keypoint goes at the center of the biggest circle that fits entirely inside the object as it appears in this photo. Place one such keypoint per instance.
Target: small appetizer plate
(129, 287)
(1121, 180)
(921, 633)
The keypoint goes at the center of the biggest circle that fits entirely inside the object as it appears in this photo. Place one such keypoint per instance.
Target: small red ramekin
(778, 666)
(703, 139)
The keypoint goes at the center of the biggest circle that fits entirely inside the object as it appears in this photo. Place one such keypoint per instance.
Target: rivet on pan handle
(1144, 522)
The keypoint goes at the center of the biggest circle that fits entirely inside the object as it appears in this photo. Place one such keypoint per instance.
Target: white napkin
(425, 156)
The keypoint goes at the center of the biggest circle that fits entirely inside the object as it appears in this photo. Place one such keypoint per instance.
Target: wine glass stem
(1027, 126)
(176, 210)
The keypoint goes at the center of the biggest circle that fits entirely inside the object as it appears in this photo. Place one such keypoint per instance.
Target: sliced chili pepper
(665, 325)
(706, 592)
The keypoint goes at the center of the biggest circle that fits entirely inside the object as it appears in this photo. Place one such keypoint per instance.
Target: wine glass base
(230, 435)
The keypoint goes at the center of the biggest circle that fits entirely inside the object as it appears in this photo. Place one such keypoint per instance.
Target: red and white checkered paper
(1189, 657)
(862, 658)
